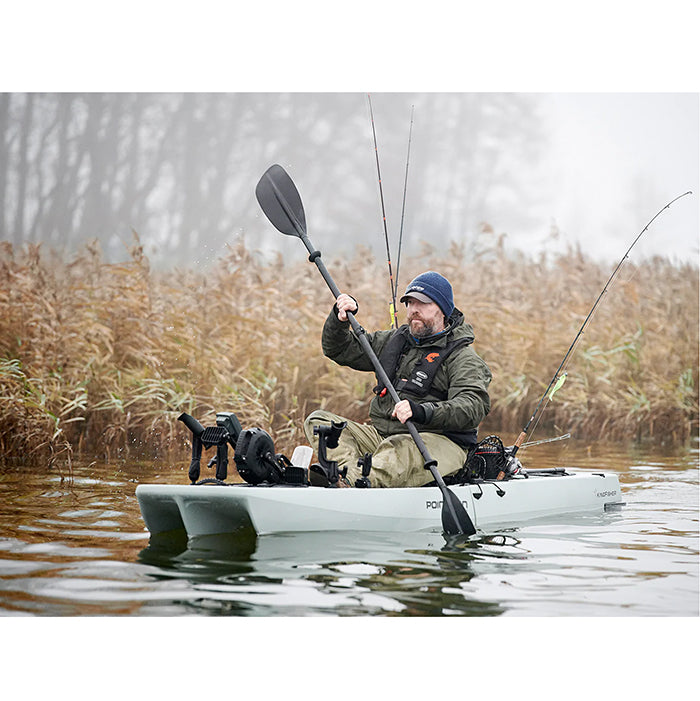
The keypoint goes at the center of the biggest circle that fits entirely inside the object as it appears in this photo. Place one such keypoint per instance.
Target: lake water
(78, 547)
(605, 588)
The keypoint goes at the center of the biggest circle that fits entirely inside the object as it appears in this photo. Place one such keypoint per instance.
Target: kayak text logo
(434, 504)
(611, 493)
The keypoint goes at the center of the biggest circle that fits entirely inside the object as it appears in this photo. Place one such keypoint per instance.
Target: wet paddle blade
(455, 519)
(280, 201)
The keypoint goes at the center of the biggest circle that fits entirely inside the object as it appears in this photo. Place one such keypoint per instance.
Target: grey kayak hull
(211, 509)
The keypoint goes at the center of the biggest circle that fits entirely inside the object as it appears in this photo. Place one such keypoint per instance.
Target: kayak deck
(212, 509)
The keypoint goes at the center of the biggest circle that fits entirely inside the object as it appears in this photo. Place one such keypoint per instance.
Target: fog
(542, 171)
(614, 161)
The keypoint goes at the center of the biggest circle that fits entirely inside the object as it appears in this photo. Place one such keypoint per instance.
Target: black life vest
(420, 380)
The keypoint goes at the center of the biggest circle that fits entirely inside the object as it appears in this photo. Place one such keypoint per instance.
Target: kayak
(279, 495)
(224, 508)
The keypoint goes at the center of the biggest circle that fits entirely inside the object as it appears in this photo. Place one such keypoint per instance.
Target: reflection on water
(79, 547)
(326, 573)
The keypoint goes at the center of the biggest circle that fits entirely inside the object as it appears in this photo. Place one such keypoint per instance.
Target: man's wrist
(418, 413)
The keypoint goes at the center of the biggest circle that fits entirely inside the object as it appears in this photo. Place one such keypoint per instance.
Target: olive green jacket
(463, 376)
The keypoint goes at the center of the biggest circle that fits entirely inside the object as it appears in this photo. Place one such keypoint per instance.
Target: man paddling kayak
(441, 381)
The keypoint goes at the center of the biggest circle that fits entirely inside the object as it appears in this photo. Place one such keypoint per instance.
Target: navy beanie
(431, 287)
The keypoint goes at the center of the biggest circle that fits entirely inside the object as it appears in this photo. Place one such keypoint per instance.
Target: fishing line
(549, 392)
(403, 205)
(546, 440)
(394, 319)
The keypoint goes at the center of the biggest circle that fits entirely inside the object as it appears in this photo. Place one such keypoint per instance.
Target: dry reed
(99, 359)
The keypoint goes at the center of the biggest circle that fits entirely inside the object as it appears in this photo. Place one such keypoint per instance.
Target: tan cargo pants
(396, 460)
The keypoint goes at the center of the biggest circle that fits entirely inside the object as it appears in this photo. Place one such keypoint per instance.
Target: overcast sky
(616, 160)
(619, 156)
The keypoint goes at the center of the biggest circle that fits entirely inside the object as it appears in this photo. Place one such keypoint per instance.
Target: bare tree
(180, 169)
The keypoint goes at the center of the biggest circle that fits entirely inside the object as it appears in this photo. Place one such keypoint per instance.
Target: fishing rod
(394, 319)
(559, 376)
(403, 205)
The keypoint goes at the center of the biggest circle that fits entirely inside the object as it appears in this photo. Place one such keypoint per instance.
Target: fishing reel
(490, 460)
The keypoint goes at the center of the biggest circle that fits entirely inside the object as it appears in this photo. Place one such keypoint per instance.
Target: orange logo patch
(432, 357)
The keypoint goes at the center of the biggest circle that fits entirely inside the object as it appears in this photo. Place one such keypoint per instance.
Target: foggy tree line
(180, 169)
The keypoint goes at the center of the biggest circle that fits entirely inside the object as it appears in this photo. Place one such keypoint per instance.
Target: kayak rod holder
(328, 437)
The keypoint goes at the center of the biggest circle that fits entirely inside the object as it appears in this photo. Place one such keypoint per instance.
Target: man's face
(424, 318)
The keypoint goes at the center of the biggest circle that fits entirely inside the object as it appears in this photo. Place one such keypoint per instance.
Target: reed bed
(98, 360)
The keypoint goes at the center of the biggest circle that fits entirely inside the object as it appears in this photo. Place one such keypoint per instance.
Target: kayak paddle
(280, 201)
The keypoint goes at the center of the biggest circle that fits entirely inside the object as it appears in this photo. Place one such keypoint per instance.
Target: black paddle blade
(280, 200)
(455, 519)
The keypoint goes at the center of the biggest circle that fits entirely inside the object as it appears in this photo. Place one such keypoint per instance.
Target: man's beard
(423, 330)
